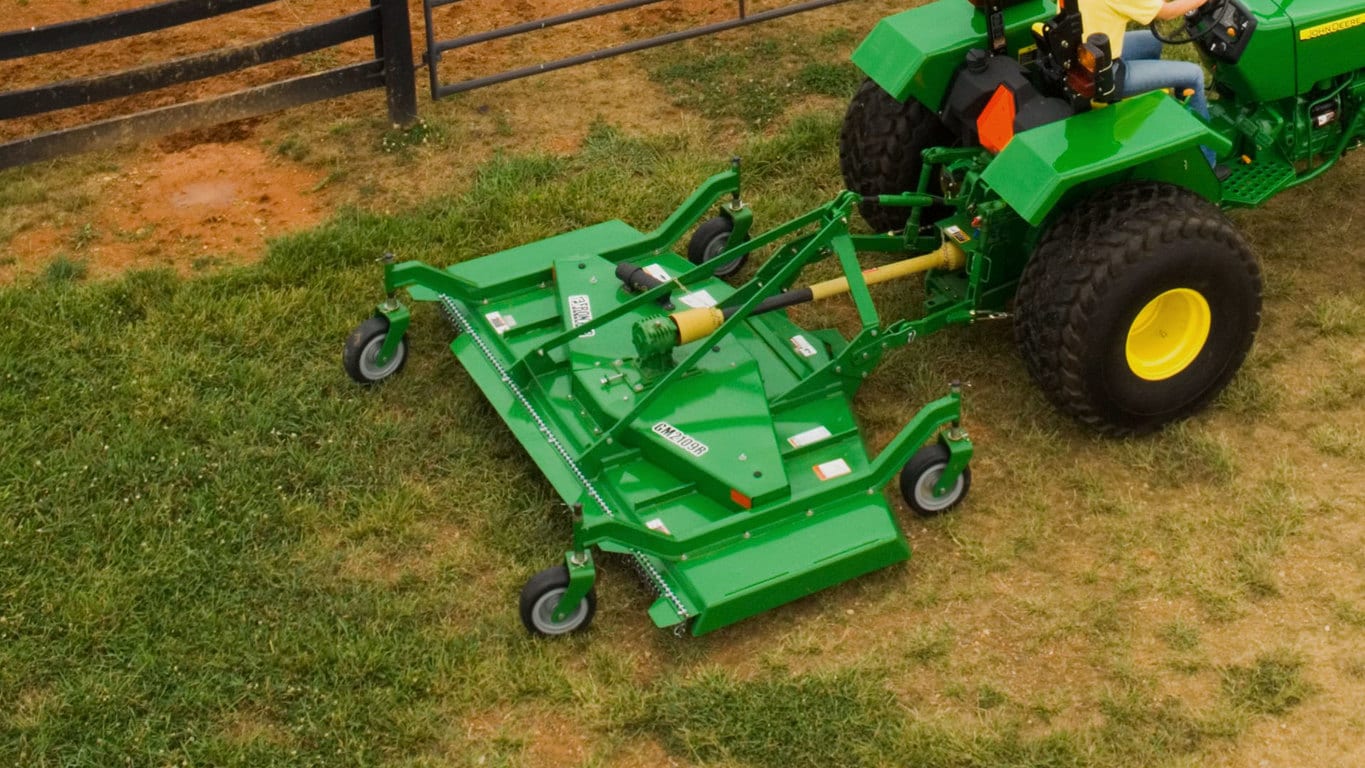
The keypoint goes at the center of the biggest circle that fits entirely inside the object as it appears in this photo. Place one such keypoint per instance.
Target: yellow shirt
(1112, 16)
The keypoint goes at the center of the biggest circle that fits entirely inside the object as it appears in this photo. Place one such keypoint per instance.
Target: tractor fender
(914, 54)
(1149, 137)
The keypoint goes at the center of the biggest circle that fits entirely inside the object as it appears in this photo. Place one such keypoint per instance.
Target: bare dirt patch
(205, 205)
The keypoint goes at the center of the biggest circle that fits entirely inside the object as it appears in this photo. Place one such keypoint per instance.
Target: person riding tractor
(1137, 54)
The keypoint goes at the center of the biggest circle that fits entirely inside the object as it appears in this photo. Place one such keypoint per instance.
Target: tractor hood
(915, 53)
(1329, 36)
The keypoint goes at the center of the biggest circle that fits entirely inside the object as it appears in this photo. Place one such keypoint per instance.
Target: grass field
(216, 550)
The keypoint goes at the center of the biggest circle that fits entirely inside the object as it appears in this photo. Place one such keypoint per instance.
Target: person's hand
(1178, 8)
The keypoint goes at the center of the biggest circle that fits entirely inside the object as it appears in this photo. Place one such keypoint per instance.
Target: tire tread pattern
(879, 150)
(1080, 256)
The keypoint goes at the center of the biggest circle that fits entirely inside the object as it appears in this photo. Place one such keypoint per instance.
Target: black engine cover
(979, 78)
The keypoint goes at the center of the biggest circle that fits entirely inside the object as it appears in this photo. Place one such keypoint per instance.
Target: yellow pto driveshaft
(698, 323)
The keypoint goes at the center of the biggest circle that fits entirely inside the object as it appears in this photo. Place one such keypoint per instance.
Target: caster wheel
(709, 241)
(360, 358)
(539, 598)
(921, 474)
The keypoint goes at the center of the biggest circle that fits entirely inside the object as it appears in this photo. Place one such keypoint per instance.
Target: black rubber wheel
(879, 152)
(540, 596)
(1137, 307)
(709, 241)
(921, 474)
(362, 347)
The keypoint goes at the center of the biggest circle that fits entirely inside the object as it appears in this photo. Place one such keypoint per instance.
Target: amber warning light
(995, 124)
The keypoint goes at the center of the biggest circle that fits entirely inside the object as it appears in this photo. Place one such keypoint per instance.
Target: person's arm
(1178, 8)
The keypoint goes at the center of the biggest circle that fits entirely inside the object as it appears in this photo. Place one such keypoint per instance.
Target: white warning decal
(580, 312)
(698, 299)
(500, 322)
(802, 347)
(657, 272)
(809, 437)
(832, 469)
(956, 233)
(679, 438)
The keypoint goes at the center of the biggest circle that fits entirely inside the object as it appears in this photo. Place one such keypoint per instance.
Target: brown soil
(216, 201)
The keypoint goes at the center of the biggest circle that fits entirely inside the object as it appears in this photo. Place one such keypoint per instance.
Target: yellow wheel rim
(1167, 335)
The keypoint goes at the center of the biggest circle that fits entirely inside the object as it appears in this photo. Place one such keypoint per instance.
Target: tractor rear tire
(1137, 307)
(879, 152)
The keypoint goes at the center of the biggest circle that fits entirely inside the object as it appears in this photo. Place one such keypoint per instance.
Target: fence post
(393, 43)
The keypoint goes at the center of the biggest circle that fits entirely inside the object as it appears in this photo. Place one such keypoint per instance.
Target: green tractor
(694, 430)
(1099, 225)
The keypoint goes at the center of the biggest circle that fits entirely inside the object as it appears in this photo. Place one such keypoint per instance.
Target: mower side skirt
(517, 419)
(856, 536)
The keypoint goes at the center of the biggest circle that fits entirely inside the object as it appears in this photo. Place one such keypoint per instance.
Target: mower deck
(731, 469)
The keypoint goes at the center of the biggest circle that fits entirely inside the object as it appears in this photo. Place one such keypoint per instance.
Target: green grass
(64, 269)
(754, 82)
(58, 191)
(215, 550)
(1272, 684)
(849, 719)
(1338, 315)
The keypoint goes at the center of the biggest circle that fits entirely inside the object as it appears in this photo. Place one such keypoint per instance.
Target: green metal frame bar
(582, 575)
(959, 455)
(676, 225)
(408, 273)
(399, 317)
(700, 272)
(741, 221)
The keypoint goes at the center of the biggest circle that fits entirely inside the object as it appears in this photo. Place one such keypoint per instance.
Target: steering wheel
(1193, 31)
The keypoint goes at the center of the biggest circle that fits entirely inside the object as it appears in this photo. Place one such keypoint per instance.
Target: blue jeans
(1144, 70)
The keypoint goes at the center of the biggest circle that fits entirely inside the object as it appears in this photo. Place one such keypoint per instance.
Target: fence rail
(435, 47)
(115, 26)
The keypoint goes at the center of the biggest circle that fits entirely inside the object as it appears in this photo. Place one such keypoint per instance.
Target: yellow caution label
(1332, 26)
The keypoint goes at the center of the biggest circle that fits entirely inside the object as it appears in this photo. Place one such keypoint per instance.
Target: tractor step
(1253, 183)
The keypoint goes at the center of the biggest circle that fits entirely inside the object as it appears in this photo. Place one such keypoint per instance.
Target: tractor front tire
(879, 152)
(1137, 307)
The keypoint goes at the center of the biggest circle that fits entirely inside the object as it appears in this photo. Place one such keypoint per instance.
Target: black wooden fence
(392, 68)
(385, 21)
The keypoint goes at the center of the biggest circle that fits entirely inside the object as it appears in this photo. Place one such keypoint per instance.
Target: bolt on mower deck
(689, 425)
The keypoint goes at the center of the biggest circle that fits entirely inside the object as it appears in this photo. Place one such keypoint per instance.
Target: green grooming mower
(689, 425)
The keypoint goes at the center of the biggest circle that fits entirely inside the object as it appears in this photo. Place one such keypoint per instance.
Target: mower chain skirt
(1100, 273)
(879, 152)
